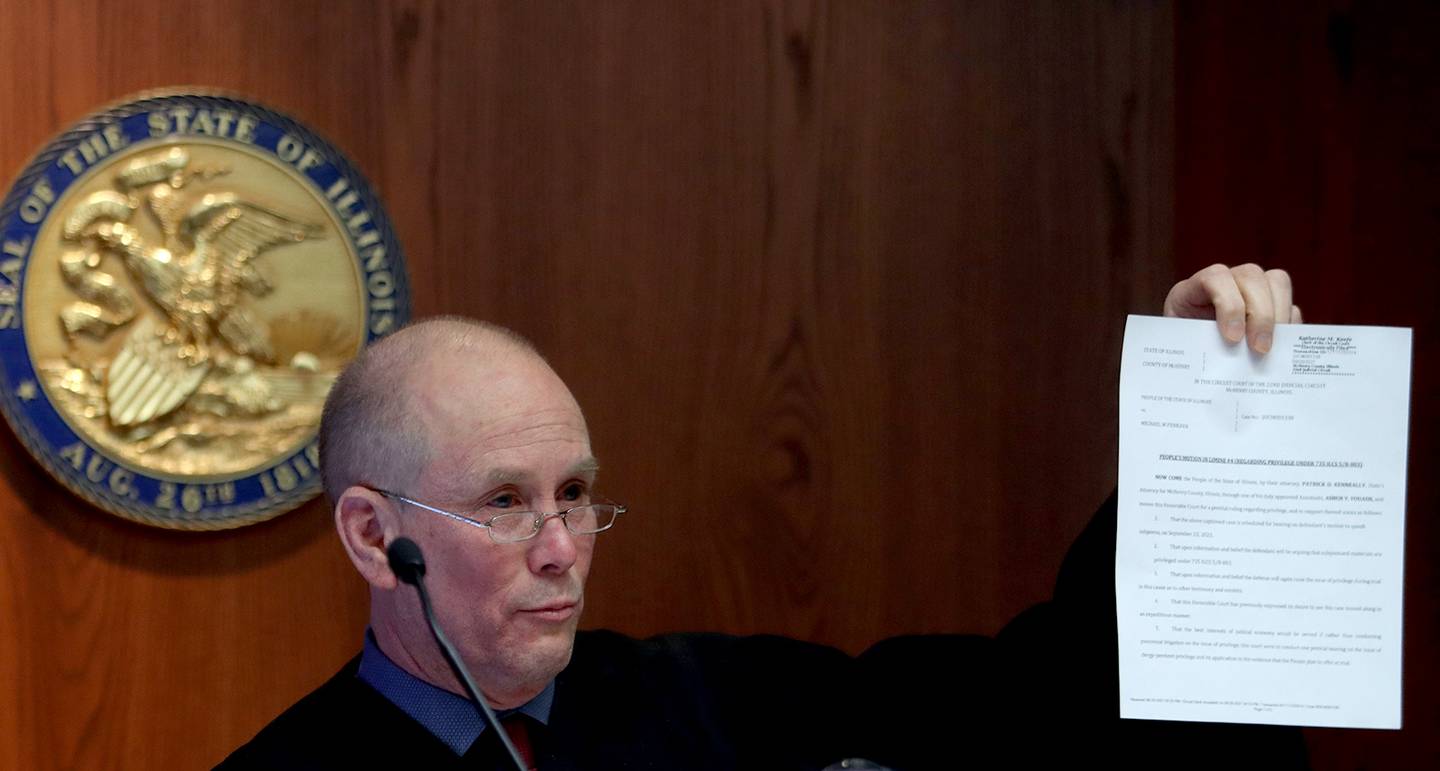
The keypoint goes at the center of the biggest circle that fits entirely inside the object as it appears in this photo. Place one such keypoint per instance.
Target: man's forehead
(505, 386)
(504, 418)
(460, 483)
(537, 451)
(587, 466)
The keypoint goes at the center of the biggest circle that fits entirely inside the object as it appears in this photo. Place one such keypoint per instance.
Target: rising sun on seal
(182, 277)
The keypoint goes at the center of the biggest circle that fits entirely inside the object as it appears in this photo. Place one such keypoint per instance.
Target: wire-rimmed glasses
(516, 526)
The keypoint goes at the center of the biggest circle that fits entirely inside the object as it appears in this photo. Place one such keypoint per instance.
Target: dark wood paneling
(840, 285)
(1309, 138)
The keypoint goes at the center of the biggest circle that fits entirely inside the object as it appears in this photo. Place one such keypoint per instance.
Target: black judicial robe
(1045, 691)
(671, 702)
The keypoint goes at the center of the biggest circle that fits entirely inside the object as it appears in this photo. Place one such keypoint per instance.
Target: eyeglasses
(516, 526)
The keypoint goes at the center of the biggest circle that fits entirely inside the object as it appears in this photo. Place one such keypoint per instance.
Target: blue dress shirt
(451, 718)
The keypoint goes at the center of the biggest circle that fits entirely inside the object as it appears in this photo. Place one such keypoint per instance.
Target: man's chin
(512, 680)
(550, 645)
(546, 658)
(559, 643)
(538, 649)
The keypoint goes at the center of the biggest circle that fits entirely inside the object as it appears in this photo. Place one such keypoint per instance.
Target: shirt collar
(450, 717)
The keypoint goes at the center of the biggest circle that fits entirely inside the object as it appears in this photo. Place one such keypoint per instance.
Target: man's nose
(553, 550)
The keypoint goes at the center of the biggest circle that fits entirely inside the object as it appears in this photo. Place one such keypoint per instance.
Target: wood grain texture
(1309, 138)
(840, 286)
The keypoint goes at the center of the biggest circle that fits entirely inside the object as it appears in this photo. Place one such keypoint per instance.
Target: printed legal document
(1259, 556)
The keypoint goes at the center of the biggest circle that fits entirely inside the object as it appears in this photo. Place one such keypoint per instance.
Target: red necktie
(519, 733)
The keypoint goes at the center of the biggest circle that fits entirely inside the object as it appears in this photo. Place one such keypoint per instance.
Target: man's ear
(366, 522)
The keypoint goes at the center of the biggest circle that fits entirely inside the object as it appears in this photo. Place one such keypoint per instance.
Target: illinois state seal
(182, 277)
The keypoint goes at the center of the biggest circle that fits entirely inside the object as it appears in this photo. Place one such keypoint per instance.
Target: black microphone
(408, 565)
(406, 561)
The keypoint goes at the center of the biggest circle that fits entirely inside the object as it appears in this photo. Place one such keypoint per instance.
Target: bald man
(458, 435)
(455, 433)
(471, 422)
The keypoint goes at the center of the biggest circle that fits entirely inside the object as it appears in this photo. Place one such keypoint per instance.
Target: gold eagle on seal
(197, 278)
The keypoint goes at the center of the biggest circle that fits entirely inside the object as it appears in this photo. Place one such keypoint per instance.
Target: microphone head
(406, 561)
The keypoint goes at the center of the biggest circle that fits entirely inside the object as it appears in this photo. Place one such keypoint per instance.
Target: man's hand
(1245, 301)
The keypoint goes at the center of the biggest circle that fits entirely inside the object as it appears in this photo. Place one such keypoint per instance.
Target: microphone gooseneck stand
(408, 564)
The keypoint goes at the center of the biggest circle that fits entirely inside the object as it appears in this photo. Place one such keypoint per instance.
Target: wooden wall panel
(840, 285)
(843, 239)
(121, 646)
(1308, 137)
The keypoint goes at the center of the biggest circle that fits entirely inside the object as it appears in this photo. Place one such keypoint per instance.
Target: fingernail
(1235, 330)
(1262, 342)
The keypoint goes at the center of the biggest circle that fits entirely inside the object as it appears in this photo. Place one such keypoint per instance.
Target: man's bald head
(368, 431)
(466, 416)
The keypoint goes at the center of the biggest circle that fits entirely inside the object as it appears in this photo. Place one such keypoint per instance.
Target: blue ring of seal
(254, 497)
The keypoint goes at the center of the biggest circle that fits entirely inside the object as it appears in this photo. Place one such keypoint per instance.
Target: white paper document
(1259, 553)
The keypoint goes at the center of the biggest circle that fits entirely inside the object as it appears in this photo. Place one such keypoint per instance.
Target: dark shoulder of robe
(1062, 683)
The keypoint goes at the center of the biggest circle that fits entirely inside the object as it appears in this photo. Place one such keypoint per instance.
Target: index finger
(1259, 306)
(1211, 291)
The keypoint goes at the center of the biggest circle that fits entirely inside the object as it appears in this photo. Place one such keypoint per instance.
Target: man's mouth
(553, 611)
